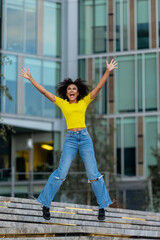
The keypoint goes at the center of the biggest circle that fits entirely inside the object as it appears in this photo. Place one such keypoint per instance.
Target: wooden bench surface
(22, 219)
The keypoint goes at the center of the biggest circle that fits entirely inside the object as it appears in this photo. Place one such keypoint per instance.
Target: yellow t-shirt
(74, 113)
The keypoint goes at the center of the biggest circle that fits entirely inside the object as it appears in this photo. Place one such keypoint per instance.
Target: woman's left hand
(112, 65)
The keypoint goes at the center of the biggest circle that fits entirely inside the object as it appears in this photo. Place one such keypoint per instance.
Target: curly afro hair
(83, 88)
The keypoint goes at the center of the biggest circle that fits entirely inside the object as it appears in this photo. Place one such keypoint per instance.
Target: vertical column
(140, 147)
(12, 165)
(111, 91)
(90, 71)
(20, 86)
(132, 25)
(111, 78)
(159, 80)
(40, 28)
(64, 60)
(110, 26)
(153, 23)
(111, 49)
(72, 39)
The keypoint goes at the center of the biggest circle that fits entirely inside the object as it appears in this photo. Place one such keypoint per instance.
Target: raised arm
(109, 67)
(41, 89)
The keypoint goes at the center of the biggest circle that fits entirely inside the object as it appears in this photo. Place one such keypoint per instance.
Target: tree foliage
(155, 175)
(4, 91)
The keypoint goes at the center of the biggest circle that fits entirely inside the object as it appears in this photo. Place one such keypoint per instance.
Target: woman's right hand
(25, 74)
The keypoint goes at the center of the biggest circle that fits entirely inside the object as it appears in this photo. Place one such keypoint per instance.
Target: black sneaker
(101, 214)
(46, 213)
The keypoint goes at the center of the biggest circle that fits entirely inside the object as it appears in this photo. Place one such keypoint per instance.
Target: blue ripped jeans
(76, 141)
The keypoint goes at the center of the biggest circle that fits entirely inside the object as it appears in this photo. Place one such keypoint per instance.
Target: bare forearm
(103, 80)
(100, 84)
(41, 89)
(37, 85)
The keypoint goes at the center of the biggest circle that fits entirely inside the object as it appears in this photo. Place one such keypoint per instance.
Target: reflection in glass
(99, 26)
(118, 26)
(121, 20)
(51, 71)
(52, 29)
(125, 24)
(92, 26)
(150, 82)
(33, 98)
(142, 24)
(125, 84)
(31, 32)
(15, 25)
(11, 83)
(21, 19)
(82, 69)
(151, 141)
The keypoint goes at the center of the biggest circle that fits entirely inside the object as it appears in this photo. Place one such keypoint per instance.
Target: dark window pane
(142, 24)
(118, 161)
(129, 161)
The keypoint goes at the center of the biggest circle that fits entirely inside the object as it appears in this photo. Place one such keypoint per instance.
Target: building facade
(58, 39)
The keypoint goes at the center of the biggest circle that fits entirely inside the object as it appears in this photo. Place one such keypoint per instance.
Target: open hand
(112, 65)
(25, 74)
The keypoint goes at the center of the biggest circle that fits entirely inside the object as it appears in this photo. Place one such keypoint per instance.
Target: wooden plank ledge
(22, 219)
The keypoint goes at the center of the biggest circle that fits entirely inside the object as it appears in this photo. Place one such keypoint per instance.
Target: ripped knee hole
(90, 181)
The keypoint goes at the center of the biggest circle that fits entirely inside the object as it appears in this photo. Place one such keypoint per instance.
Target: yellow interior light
(47, 147)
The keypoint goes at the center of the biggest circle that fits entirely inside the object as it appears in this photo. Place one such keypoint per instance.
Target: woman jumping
(73, 101)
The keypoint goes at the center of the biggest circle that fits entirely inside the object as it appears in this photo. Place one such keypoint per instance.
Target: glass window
(121, 20)
(129, 147)
(11, 83)
(23, 15)
(15, 17)
(125, 24)
(142, 24)
(92, 26)
(126, 146)
(139, 80)
(99, 26)
(159, 21)
(43, 149)
(118, 25)
(150, 82)
(51, 72)
(82, 69)
(151, 141)
(125, 84)
(33, 98)
(52, 29)
(31, 28)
